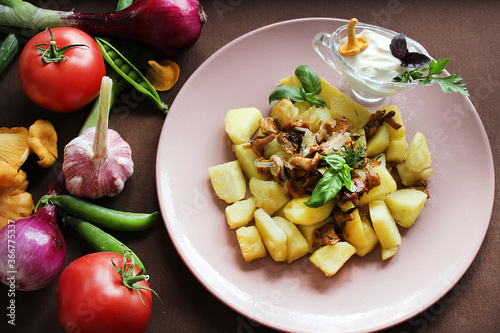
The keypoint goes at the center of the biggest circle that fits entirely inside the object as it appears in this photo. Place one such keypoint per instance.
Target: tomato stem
(128, 279)
(52, 53)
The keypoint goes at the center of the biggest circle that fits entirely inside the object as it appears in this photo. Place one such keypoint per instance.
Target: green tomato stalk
(128, 279)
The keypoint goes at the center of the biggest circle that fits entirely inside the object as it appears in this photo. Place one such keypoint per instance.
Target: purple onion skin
(38, 246)
(169, 27)
(39, 251)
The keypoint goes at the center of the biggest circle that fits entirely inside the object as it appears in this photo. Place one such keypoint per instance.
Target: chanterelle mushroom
(42, 139)
(8, 174)
(163, 75)
(353, 44)
(15, 202)
(14, 147)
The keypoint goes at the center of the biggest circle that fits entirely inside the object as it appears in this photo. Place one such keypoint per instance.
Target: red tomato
(92, 298)
(66, 85)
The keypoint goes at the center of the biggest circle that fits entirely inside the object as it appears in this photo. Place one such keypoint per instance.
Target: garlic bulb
(98, 162)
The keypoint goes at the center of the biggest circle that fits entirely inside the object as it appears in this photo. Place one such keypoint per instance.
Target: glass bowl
(369, 92)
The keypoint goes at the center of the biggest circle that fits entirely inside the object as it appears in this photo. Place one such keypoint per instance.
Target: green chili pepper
(8, 50)
(102, 216)
(125, 68)
(98, 239)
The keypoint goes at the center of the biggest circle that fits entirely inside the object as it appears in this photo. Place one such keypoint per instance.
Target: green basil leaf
(318, 101)
(335, 161)
(291, 92)
(345, 173)
(312, 98)
(326, 189)
(306, 95)
(309, 79)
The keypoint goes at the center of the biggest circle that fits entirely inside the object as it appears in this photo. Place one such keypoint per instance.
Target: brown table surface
(465, 31)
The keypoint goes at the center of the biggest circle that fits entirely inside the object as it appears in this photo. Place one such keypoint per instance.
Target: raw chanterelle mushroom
(15, 202)
(42, 139)
(14, 147)
(163, 75)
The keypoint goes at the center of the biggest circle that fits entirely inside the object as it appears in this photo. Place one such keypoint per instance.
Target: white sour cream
(376, 61)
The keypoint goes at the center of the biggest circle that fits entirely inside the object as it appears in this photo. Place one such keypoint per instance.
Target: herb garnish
(337, 175)
(399, 49)
(421, 64)
(451, 83)
(308, 92)
(354, 156)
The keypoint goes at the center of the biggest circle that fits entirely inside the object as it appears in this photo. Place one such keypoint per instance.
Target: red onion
(166, 26)
(32, 249)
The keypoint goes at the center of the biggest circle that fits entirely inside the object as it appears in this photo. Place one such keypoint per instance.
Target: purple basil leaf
(398, 47)
(415, 60)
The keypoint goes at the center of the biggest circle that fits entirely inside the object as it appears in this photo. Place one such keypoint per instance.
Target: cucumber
(8, 50)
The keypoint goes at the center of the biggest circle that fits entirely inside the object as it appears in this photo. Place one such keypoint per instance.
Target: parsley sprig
(451, 83)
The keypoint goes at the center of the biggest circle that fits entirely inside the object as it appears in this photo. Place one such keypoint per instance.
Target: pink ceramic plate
(366, 294)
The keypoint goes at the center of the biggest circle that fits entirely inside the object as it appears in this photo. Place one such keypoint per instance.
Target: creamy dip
(376, 61)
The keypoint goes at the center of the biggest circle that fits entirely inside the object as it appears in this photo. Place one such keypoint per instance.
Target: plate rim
(194, 270)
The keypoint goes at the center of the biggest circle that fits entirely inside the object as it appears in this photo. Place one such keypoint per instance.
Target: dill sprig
(354, 155)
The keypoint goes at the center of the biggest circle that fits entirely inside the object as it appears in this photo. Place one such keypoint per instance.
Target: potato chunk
(273, 237)
(410, 178)
(418, 157)
(291, 80)
(296, 244)
(328, 91)
(250, 242)
(353, 231)
(228, 181)
(330, 258)
(302, 107)
(399, 133)
(386, 254)
(297, 212)
(384, 225)
(284, 111)
(360, 234)
(308, 231)
(246, 157)
(240, 213)
(268, 195)
(241, 123)
(315, 116)
(405, 205)
(387, 185)
(357, 114)
(379, 142)
(396, 150)
(370, 235)
(274, 148)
